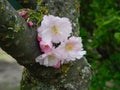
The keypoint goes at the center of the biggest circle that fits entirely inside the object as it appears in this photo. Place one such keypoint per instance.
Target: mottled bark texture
(19, 40)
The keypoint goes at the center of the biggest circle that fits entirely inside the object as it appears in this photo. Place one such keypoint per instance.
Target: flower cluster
(56, 42)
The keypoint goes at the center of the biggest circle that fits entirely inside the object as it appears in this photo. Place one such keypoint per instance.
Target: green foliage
(100, 30)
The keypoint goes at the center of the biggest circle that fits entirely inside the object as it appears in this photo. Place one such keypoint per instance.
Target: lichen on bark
(73, 76)
(19, 40)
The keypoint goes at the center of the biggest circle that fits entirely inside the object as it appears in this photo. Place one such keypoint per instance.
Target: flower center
(51, 57)
(55, 30)
(69, 47)
(47, 46)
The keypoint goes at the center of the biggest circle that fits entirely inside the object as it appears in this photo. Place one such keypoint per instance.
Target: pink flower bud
(46, 47)
(22, 13)
(30, 23)
(39, 39)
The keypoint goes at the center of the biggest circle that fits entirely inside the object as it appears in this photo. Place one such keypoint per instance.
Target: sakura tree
(45, 40)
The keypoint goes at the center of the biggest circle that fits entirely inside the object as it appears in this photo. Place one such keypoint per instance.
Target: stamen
(55, 30)
(51, 57)
(69, 47)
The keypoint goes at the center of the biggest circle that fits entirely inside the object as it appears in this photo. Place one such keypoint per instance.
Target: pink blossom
(48, 59)
(71, 49)
(55, 42)
(55, 28)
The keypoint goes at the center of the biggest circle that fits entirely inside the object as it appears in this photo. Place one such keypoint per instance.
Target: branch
(16, 38)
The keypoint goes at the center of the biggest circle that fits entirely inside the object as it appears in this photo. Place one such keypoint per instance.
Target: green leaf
(117, 36)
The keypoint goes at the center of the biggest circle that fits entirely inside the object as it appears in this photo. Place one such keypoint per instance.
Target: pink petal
(46, 48)
(57, 65)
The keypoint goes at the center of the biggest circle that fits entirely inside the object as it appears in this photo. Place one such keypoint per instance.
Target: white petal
(45, 62)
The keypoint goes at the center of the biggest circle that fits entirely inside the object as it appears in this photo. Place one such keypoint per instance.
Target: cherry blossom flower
(55, 42)
(71, 49)
(49, 59)
(55, 28)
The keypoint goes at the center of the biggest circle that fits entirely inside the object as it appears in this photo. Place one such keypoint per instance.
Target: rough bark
(19, 40)
(16, 38)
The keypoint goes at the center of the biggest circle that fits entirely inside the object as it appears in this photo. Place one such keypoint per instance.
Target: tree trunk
(19, 40)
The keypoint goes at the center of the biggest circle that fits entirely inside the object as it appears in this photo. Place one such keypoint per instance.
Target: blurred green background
(100, 29)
